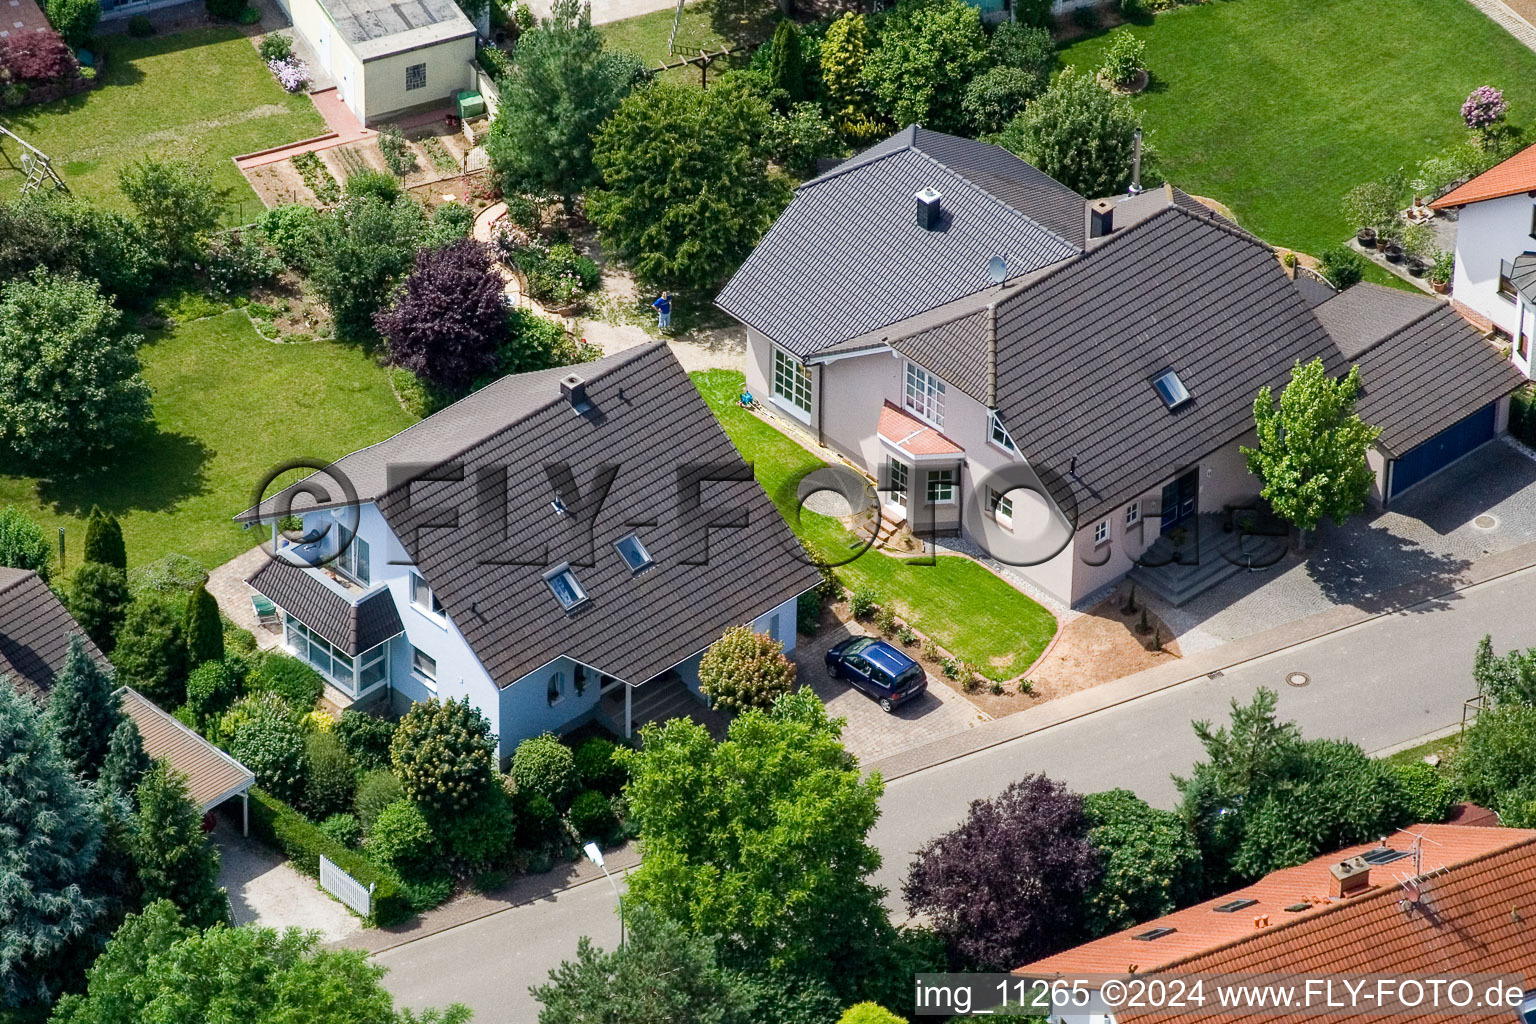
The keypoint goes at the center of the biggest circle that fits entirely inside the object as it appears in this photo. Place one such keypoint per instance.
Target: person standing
(664, 311)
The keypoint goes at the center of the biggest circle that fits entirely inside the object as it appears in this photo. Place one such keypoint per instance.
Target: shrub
(538, 820)
(1427, 791)
(37, 57)
(150, 653)
(237, 260)
(291, 232)
(1124, 58)
(249, 16)
(869, 1013)
(173, 574)
(1498, 757)
(1149, 863)
(802, 137)
(23, 544)
(1484, 107)
(176, 203)
(140, 27)
(592, 817)
(808, 613)
(343, 828)
(597, 767)
(885, 620)
(366, 738)
(267, 740)
(380, 185)
(426, 893)
(1086, 18)
(744, 670)
(996, 96)
(376, 790)
(927, 51)
(104, 540)
(397, 153)
(1078, 132)
(448, 322)
(402, 838)
(863, 602)
(443, 754)
(276, 46)
(481, 835)
(1134, 9)
(545, 766)
(329, 779)
(75, 20)
(451, 222)
(211, 688)
(202, 629)
(1034, 13)
(288, 679)
(1341, 265)
(493, 61)
(229, 10)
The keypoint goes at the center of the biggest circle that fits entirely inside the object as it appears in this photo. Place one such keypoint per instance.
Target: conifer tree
(176, 861)
(82, 710)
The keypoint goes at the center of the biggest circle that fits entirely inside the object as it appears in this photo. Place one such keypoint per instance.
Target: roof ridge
(25, 575)
(858, 160)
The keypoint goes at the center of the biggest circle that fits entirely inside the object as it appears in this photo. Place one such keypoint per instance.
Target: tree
(67, 234)
(104, 540)
(448, 323)
(362, 248)
(686, 188)
(848, 101)
(760, 842)
(928, 51)
(176, 204)
(661, 973)
(1079, 133)
(52, 838)
(1007, 885)
(23, 544)
(82, 710)
(366, 738)
(151, 655)
(1312, 446)
(1149, 862)
(996, 96)
(787, 66)
(563, 85)
(75, 20)
(211, 688)
(1506, 679)
(203, 629)
(267, 739)
(1026, 48)
(157, 968)
(802, 137)
(69, 380)
(444, 754)
(1497, 759)
(175, 860)
(126, 760)
(745, 669)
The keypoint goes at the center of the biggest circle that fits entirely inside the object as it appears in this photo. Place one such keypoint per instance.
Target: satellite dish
(997, 269)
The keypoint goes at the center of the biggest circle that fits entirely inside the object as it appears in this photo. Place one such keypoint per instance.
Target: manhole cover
(1297, 679)
(1485, 522)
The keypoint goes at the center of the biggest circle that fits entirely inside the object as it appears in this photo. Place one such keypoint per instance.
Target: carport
(212, 775)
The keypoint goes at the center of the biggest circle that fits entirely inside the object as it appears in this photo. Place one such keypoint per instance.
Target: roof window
(567, 588)
(1234, 906)
(633, 552)
(1154, 934)
(1170, 389)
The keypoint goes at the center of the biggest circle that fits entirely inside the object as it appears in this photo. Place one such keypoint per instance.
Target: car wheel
(886, 705)
(834, 671)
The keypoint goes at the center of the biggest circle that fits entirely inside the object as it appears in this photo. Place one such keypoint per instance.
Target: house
(387, 57)
(1064, 382)
(1495, 280)
(560, 546)
(1433, 901)
(34, 637)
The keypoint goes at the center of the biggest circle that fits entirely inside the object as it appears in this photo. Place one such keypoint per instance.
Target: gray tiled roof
(1523, 275)
(848, 255)
(34, 633)
(362, 22)
(647, 424)
(352, 627)
(1429, 374)
(1359, 317)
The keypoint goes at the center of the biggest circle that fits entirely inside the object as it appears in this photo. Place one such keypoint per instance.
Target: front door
(901, 483)
(1181, 499)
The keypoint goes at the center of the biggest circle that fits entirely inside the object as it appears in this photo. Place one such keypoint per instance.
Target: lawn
(1278, 107)
(228, 407)
(706, 25)
(203, 94)
(962, 606)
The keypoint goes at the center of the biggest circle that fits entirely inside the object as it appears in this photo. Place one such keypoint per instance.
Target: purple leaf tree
(1485, 106)
(1007, 886)
(447, 322)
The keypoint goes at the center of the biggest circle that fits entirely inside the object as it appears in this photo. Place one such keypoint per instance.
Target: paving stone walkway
(1512, 22)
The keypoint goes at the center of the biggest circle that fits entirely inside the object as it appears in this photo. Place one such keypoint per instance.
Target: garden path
(18, 16)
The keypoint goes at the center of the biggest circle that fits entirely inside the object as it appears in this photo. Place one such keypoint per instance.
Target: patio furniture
(265, 610)
(747, 401)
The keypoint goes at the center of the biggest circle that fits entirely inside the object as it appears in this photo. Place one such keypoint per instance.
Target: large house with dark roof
(1066, 381)
(555, 539)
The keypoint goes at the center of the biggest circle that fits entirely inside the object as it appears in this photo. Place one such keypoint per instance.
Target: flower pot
(1393, 252)
(1381, 243)
(1417, 268)
(1440, 287)
(1366, 237)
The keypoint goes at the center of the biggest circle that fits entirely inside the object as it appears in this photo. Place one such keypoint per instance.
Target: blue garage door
(1444, 448)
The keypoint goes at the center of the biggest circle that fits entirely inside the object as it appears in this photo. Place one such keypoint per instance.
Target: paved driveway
(871, 733)
(264, 889)
(1425, 541)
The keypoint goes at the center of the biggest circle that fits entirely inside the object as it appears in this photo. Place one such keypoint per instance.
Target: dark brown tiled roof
(1363, 315)
(34, 633)
(212, 775)
(646, 426)
(352, 627)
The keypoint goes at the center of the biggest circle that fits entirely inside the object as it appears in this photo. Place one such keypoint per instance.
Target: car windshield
(858, 646)
(910, 676)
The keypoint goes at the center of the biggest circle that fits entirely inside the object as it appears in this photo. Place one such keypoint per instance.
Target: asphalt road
(1382, 684)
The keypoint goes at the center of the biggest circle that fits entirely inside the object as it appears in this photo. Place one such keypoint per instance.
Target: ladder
(36, 168)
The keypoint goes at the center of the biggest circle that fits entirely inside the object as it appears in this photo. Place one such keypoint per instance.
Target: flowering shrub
(238, 260)
(36, 57)
(1485, 106)
(292, 73)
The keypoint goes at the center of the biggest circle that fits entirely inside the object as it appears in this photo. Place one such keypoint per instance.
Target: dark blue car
(878, 669)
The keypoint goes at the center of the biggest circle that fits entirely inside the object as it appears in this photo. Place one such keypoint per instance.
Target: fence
(344, 887)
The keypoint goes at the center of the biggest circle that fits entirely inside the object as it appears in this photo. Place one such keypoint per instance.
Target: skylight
(1170, 389)
(1234, 906)
(633, 552)
(567, 588)
(1154, 934)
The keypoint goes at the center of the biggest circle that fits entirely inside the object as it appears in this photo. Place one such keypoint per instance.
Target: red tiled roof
(912, 435)
(1461, 922)
(1517, 174)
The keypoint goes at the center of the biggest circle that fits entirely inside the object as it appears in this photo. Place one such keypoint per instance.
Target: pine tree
(52, 838)
(82, 710)
(104, 540)
(788, 63)
(126, 760)
(204, 630)
(176, 861)
(98, 600)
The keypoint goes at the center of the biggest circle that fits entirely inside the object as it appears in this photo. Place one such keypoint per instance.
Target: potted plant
(1419, 246)
(1393, 251)
(1369, 206)
(1366, 236)
(1441, 269)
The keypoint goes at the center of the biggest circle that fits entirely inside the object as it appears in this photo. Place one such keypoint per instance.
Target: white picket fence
(345, 888)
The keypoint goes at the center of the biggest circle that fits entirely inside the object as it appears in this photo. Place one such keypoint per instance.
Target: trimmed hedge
(303, 843)
(1522, 417)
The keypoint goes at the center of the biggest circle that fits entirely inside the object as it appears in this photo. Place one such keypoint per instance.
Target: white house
(1495, 229)
(555, 539)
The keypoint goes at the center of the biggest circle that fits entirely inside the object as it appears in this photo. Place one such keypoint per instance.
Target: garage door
(1444, 448)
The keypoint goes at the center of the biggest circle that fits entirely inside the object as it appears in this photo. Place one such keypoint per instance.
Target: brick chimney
(1101, 218)
(1350, 878)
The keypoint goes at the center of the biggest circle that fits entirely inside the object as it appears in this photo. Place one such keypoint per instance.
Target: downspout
(821, 373)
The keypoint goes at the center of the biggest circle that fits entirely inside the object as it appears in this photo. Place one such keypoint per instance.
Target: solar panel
(1382, 855)
(1297, 908)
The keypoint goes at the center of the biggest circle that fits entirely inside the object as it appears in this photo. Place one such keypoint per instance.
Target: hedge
(303, 843)
(1522, 416)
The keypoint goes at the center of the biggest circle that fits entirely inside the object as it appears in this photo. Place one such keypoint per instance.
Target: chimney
(929, 209)
(574, 390)
(1350, 878)
(1101, 218)
(1135, 188)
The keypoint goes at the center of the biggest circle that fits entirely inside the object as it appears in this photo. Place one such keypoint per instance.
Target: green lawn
(963, 606)
(707, 25)
(1277, 107)
(228, 407)
(202, 94)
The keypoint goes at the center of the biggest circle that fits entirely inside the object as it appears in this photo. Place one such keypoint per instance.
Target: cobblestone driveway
(871, 733)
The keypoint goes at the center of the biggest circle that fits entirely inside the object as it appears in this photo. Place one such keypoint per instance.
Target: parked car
(879, 670)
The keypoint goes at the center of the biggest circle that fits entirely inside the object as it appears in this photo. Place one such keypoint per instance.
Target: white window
(556, 687)
(633, 552)
(423, 598)
(566, 587)
(424, 667)
(415, 77)
(925, 394)
(1133, 513)
(999, 435)
(941, 486)
(1101, 531)
(372, 667)
(899, 483)
(1000, 506)
(353, 560)
(791, 380)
